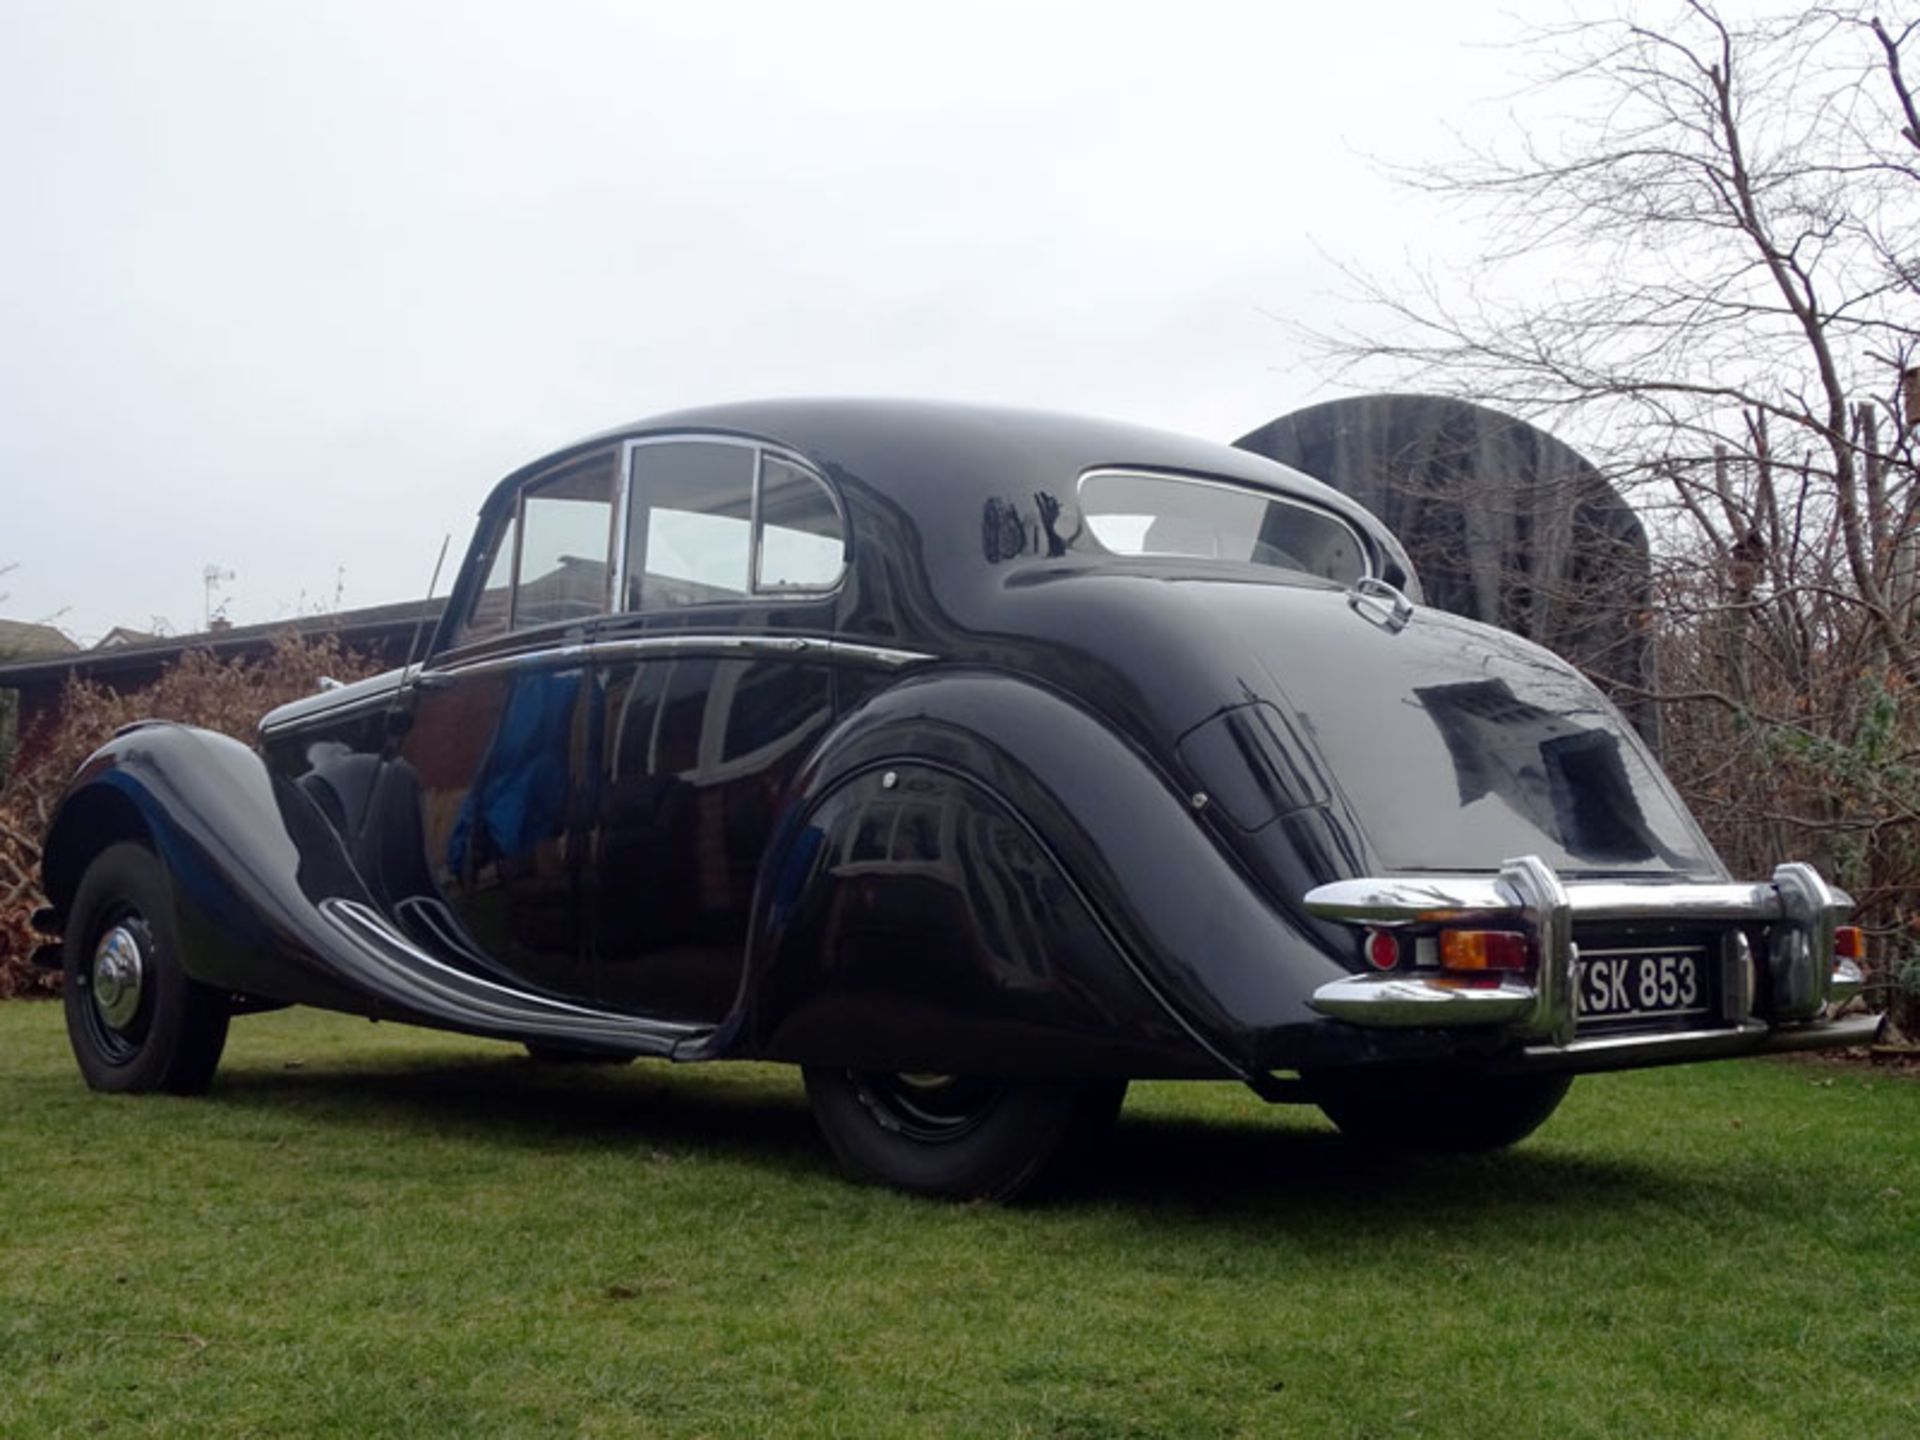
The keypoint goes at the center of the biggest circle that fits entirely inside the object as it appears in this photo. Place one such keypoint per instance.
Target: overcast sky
(285, 287)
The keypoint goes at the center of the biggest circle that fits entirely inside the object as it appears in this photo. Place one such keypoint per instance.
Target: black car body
(979, 761)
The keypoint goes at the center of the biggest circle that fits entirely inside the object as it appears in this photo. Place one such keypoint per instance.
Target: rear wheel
(547, 1052)
(955, 1136)
(135, 1019)
(1440, 1113)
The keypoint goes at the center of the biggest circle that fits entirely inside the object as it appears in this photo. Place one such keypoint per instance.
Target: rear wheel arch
(1088, 1006)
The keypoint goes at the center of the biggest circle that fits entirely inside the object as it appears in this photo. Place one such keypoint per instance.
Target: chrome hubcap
(119, 970)
(926, 1107)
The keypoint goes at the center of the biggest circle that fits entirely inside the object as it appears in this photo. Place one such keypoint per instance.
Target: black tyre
(1440, 1113)
(135, 1020)
(545, 1052)
(948, 1135)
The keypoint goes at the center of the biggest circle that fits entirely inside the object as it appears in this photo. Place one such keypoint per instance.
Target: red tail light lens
(1383, 950)
(1849, 942)
(1481, 950)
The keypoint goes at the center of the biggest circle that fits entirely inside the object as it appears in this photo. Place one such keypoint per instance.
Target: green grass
(369, 1230)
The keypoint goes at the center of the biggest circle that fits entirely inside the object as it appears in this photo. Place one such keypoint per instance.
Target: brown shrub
(224, 695)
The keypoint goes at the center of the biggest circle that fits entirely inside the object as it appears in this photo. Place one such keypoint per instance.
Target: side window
(689, 525)
(566, 534)
(802, 546)
(691, 533)
(489, 617)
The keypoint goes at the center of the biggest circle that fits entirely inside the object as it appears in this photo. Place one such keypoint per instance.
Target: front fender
(981, 876)
(247, 856)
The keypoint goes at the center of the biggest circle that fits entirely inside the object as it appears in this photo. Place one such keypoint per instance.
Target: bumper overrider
(1779, 992)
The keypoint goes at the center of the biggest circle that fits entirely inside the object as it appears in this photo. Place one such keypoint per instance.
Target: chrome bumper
(1798, 907)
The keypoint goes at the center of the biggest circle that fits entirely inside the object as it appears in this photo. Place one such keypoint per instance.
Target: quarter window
(801, 545)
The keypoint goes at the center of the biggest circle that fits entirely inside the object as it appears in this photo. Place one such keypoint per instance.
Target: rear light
(1479, 950)
(1849, 942)
(1383, 949)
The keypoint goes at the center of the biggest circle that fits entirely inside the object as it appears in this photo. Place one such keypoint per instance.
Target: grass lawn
(369, 1230)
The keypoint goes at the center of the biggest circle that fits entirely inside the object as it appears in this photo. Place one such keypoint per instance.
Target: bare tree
(1704, 267)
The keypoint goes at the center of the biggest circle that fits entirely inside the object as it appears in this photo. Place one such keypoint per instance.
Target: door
(732, 555)
(484, 828)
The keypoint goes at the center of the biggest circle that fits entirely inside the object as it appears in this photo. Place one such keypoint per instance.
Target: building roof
(375, 625)
(23, 637)
(124, 635)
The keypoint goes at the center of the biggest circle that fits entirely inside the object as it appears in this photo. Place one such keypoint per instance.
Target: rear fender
(979, 876)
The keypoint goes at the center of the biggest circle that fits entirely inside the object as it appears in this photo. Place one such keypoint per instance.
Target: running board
(386, 965)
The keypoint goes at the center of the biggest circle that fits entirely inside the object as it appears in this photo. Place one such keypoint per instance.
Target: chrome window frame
(1368, 557)
(755, 585)
(615, 491)
(487, 562)
(622, 566)
(517, 518)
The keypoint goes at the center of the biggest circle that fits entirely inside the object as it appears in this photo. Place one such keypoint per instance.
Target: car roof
(937, 455)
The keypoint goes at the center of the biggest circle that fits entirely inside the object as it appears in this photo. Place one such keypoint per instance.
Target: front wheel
(949, 1135)
(135, 1019)
(1440, 1113)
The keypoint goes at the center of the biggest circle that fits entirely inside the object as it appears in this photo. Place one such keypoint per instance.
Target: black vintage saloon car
(977, 761)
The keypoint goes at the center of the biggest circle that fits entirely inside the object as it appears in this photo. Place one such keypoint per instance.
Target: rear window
(1140, 513)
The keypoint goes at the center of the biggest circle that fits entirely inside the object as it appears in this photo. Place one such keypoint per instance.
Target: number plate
(1644, 985)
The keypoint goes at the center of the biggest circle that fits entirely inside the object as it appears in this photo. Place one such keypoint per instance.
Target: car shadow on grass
(1266, 1174)
(1259, 1174)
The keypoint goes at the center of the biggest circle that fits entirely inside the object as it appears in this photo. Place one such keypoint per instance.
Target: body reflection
(1565, 778)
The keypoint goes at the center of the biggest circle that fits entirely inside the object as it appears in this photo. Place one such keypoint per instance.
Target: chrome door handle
(1376, 601)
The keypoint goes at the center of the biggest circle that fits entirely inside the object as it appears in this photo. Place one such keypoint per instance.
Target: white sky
(285, 287)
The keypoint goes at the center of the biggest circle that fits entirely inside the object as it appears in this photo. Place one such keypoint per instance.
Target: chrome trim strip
(422, 981)
(641, 647)
(883, 656)
(638, 647)
(305, 712)
(622, 508)
(753, 522)
(552, 658)
(519, 544)
(369, 927)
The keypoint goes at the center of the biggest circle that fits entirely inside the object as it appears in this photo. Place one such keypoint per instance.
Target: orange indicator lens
(1849, 942)
(1484, 950)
